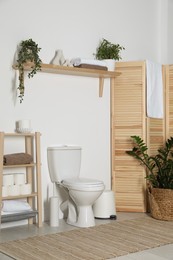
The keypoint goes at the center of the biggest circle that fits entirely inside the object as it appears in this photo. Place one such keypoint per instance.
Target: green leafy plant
(159, 167)
(28, 52)
(108, 50)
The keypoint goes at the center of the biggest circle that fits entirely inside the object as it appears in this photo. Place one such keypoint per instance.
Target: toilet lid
(82, 182)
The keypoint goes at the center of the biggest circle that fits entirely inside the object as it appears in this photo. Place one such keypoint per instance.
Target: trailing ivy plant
(159, 167)
(28, 52)
(108, 50)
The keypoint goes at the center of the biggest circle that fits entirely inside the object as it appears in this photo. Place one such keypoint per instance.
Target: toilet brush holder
(54, 211)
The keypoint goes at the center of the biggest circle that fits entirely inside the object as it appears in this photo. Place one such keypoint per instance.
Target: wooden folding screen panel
(155, 134)
(169, 100)
(156, 127)
(128, 118)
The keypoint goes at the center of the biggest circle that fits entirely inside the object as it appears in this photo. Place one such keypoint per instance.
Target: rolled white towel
(79, 61)
(19, 178)
(25, 189)
(4, 191)
(8, 179)
(15, 206)
(13, 190)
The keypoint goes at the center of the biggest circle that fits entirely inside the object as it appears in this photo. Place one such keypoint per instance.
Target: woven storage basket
(161, 203)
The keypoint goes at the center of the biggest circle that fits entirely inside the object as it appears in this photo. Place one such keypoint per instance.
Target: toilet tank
(63, 162)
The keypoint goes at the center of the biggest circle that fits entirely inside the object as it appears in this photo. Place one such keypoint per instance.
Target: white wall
(67, 109)
(170, 32)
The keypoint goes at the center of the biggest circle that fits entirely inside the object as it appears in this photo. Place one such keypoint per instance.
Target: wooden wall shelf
(63, 70)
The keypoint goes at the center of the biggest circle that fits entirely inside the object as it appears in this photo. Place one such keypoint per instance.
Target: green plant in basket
(159, 167)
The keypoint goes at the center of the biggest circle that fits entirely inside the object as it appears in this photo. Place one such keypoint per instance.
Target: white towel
(15, 206)
(79, 61)
(154, 90)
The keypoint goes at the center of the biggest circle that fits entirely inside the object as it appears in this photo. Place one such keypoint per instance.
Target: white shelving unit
(33, 176)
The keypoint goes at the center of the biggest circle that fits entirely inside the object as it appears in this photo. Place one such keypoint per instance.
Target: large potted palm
(159, 175)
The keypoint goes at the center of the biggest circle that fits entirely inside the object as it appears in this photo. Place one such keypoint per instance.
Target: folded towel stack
(12, 206)
(89, 64)
(17, 158)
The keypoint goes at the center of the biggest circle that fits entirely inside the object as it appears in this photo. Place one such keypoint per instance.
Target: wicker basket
(161, 203)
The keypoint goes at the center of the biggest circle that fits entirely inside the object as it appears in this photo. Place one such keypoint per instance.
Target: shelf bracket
(101, 84)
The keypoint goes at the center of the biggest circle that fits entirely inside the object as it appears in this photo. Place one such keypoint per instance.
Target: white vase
(58, 58)
(110, 64)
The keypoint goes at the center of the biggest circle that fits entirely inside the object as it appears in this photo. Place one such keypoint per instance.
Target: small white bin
(104, 206)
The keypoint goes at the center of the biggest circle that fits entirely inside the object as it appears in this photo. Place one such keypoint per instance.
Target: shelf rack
(33, 174)
(73, 71)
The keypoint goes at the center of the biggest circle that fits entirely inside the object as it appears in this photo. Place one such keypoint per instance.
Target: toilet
(76, 194)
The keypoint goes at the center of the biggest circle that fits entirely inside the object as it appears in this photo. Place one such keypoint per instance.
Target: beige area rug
(101, 242)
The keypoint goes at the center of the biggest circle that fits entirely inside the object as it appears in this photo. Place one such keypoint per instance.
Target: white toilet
(81, 193)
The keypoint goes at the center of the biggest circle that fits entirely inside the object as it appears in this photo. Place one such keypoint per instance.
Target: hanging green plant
(28, 52)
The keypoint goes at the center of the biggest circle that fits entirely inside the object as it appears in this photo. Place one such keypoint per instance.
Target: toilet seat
(84, 184)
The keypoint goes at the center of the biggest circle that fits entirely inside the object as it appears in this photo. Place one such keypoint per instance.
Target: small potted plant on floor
(159, 173)
(28, 53)
(108, 52)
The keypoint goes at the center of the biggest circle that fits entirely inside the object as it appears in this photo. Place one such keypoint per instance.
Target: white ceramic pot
(110, 64)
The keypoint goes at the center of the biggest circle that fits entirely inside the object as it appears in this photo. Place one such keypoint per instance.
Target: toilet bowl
(64, 168)
(84, 192)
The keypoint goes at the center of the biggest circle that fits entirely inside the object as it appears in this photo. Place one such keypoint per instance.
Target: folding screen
(129, 118)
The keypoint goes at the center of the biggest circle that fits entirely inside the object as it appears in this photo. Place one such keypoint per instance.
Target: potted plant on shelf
(159, 173)
(108, 52)
(28, 53)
